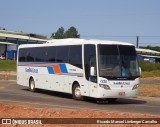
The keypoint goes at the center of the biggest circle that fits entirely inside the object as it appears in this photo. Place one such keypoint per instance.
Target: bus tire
(32, 85)
(76, 92)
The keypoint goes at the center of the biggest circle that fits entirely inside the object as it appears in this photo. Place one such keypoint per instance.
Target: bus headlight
(105, 86)
(135, 86)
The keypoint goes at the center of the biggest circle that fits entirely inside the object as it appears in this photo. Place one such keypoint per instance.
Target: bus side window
(29, 55)
(75, 56)
(62, 54)
(22, 55)
(51, 54)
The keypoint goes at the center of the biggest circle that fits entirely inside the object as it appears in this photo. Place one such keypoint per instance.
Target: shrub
(7, 65)
(148, 66)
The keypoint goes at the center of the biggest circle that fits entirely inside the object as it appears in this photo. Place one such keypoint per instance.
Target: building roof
(6, 43)
(18, 35)
(147, 51)
(149, 56)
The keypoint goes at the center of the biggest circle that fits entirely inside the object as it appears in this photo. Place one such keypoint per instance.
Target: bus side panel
(39, 74)
(45, 77)
(74, 74)
(63, 80)
(59, 83)
(21, 76)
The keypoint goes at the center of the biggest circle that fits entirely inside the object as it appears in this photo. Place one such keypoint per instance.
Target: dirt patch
(8, 75)
(151, 78)
(8, 72)
(24, 111)
(149, 90)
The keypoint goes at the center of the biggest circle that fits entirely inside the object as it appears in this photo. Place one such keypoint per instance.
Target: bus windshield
(117, 61)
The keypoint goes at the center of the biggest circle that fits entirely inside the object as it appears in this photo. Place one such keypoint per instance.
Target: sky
(119, 20)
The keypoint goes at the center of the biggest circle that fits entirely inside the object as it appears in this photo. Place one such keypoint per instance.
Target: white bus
(93, 68)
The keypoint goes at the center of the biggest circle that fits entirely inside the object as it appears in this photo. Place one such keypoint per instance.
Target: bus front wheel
(32, 85)
(76, 92)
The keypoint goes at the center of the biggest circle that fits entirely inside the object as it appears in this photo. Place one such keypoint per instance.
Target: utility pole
(137, 45)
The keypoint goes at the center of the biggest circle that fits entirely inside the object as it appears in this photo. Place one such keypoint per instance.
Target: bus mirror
(92, 73)
(140, 71)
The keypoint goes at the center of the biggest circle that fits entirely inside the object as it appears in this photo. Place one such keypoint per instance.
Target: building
(9, 41)
(148, 55)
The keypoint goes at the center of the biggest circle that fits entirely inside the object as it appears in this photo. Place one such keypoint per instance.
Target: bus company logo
(121, 83)
(103, 81)
(32, 70)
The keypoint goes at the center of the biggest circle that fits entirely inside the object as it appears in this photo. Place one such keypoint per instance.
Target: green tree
(59, 34)
(155, 48)
(71, 33)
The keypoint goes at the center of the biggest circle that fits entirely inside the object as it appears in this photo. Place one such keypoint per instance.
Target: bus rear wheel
(32, 85)
(76, 92)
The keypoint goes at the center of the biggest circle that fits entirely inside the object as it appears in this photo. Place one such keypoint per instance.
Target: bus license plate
(122, 93)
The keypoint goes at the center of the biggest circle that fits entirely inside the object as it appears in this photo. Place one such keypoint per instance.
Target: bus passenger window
(75, 55)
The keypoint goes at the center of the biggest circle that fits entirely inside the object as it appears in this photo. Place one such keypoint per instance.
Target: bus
(98, 69)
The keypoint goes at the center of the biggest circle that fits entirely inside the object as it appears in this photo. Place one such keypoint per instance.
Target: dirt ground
(151, 78)
(25, 111)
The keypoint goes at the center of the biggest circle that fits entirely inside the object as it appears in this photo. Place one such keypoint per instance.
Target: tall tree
(71, 33)
(59, 34)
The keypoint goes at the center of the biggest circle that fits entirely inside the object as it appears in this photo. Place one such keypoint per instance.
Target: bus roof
(73, 41)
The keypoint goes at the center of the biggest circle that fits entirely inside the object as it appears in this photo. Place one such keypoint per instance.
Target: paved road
(10, 92)
(144, 81)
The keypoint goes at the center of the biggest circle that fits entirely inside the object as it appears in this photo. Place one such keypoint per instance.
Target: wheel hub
(78, 92)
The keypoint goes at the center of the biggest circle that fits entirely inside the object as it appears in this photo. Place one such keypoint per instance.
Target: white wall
(11, 47)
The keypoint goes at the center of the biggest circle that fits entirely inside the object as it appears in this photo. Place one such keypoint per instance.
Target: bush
(148, 66)
(7, 65)
(155, 73)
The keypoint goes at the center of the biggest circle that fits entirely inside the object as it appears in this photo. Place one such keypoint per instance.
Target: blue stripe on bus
(50, 70)
(63, 68)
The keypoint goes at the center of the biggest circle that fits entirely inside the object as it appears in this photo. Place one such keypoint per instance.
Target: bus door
(90, 68)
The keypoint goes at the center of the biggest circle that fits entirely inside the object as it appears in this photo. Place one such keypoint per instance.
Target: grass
(155, 73)
(148, 66)
(149, 69)
(149, 90)
(7, 65)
